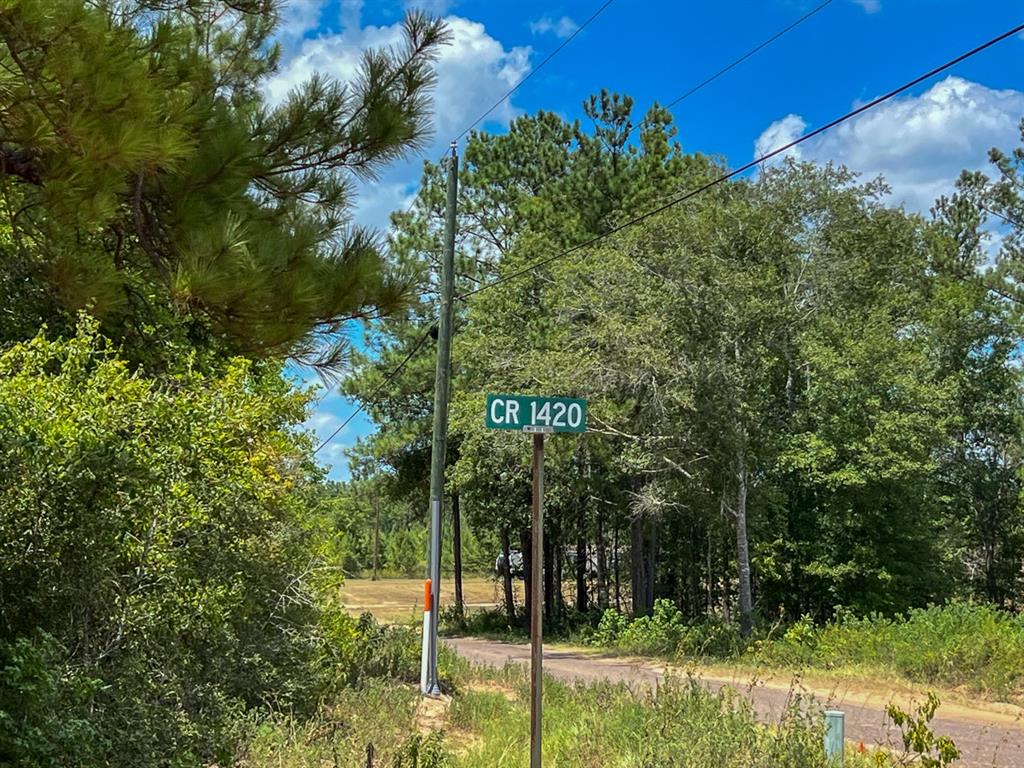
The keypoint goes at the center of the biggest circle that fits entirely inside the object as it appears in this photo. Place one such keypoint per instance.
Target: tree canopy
(145, 173)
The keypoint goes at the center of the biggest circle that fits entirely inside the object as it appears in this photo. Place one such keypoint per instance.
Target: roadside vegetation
(976, 649)
(485, 722)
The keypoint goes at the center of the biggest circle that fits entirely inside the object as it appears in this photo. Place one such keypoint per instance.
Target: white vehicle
(516, 558)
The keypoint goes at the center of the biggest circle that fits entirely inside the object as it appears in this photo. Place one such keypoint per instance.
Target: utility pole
(439, 443)
(376, 537)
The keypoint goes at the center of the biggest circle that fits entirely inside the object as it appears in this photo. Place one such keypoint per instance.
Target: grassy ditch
(485, 722)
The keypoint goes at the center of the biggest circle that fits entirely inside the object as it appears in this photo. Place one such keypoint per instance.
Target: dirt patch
(399, 600)
(432, 714)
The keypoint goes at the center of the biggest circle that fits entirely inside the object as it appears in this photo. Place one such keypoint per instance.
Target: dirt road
(988, 738)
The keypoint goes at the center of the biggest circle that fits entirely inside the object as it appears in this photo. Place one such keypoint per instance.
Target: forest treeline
(802, 395)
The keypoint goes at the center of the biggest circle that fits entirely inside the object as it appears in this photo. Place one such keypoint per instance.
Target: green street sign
(528, 413)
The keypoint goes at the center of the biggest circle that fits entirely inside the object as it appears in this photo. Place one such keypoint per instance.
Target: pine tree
(142, 167)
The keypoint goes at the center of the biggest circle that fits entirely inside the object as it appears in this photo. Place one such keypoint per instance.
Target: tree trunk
(743, 547)
(525, 542)
(581, 560)
(510, 596)
(460, 606)
(376, 538)
(642, 565)
(602, 562)
(618, 569)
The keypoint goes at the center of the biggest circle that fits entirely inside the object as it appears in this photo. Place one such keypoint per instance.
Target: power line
(693, 193)
(412, 204)
(753, 163)
(1008, 219)
(748, 54)
(377, 390)
(536, 69)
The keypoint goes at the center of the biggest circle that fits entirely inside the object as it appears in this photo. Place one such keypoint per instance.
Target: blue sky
(850, 52)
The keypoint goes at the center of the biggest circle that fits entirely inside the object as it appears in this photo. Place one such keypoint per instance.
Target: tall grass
(978, 647)
(610, 726)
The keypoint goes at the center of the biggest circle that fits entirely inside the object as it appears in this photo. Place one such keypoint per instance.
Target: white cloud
(869, 6)
(298, 17)
(473, 72)
(779, 134)
(562, 27)
(920, 144)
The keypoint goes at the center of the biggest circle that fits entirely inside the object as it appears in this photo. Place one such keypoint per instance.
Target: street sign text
(529, 413)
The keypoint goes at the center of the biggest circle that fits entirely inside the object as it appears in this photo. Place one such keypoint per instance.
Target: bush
(160, 567)
(713, 637)
(613, 623)
(979, 646)
(384, 652)
(658, 633)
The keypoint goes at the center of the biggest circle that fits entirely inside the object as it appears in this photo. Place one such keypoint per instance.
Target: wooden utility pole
(376, 537)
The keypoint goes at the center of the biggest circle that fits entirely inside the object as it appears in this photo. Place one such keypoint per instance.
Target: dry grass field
(401, 600)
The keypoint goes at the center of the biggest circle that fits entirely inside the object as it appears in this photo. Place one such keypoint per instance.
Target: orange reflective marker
(427, 595)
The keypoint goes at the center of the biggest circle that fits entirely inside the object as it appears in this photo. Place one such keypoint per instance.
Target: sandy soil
(400, 600)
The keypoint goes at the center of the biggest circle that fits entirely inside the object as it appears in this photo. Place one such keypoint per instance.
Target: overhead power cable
(470, 127)
(536, 69)
(378, 389)
(746, 167)
(688, 195)
(749, 53)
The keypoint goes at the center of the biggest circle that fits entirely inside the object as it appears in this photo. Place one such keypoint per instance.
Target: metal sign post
(536, 599)
(539, 416)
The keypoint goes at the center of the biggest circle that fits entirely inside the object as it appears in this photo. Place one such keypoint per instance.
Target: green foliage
(920, 743)
(404, 550)
(169, 569)
(385, 652)
(148, 178)
(657, 634)
(977, 646)
(423, 752)
(613, 623)
(42, 711)
(379, 714)
(598, 725)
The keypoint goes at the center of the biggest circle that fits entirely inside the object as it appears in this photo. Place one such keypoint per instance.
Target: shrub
(658, 633)
(711, 637)
(389, 652)
(160, 567)
(610, 628)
